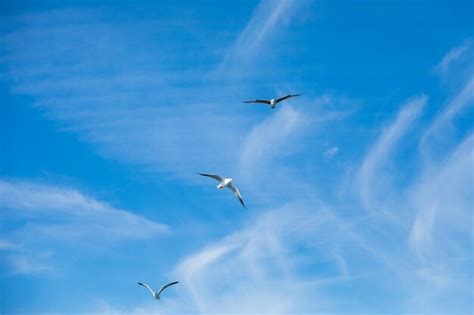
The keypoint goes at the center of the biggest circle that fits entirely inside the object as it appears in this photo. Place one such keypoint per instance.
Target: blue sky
(359, 192)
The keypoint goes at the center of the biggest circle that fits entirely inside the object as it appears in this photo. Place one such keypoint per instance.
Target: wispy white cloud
(266, 145)
(372, 179)
(166, 112)
(268, 20)
(442, 195)
(5, 245)
(443, 198)
(283, 262)
(271, 138)
(303, 257)
(38, 263)
(256, 265)
(331, 152)
(50, 216)
(283, 135)
(76, 215)
(441, 234)
(440, 131)
(454, 55)
(433, 204)
(174, 124)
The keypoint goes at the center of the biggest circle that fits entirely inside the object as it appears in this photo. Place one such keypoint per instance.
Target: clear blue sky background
(359, 192)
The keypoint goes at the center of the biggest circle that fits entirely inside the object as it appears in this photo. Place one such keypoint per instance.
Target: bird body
(274, 101)
(226, 182)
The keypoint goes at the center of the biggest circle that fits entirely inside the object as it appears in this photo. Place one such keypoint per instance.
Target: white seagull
(226, 182)
(156, 295)
(273, 102)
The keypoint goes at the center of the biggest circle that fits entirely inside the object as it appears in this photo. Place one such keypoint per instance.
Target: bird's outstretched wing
(259, 101)
(286, 96)
(147, 286)
(237, 193)
(166, 286)
(216, 177)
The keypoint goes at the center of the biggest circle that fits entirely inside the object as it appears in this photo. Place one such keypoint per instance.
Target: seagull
(156, 295)
(226, 182)
(273, 102)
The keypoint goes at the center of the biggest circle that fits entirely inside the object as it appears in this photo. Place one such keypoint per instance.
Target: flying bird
(226, 182)
(273, 102)
(156, 295)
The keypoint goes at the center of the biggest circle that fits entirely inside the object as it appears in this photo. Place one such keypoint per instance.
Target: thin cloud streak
(52, 216)
(98, 98)
(283, 134)
(438, 132)
(270, 17)
(454, 55)
(81, 216)
(371, 180)
(265, 281)
(270, 139)
(24, 264)
(444, 196)
(264, 265)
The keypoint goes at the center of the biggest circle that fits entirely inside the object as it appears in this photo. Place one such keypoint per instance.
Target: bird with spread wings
(272, 102)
